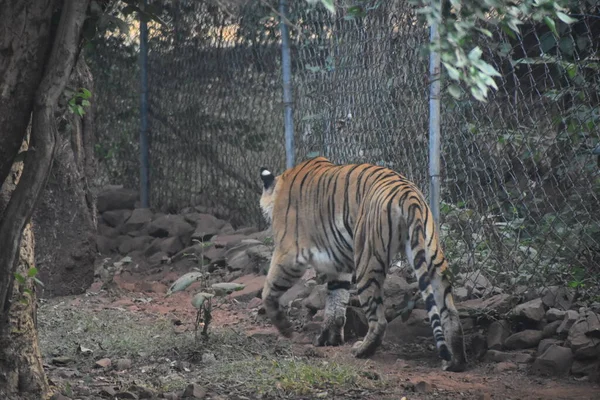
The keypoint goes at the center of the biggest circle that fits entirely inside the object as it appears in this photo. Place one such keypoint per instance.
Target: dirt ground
(153, 351)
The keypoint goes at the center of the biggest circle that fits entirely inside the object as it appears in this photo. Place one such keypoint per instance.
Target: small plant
(78, 100)
(31, 274)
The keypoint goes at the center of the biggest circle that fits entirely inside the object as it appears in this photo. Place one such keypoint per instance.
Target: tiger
(349, 222)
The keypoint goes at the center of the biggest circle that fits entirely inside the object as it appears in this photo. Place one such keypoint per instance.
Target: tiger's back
(349, 222)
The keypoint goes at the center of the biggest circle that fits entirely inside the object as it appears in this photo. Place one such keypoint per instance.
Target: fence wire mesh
(520, 189)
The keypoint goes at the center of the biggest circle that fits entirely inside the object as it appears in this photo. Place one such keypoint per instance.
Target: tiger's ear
(267, 177)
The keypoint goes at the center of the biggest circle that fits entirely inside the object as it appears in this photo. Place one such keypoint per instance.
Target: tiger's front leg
(338, 296)
(284, 272)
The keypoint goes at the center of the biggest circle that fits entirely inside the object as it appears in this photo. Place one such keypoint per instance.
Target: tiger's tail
(424, 252)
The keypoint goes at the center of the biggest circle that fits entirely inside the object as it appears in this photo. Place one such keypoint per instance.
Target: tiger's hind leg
(284, 272)
(338, 295)
(371, 266)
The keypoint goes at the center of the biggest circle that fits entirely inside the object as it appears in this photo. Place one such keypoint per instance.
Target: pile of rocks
(189, 239)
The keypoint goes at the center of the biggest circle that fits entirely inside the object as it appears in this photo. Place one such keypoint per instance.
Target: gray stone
(475, 282)
(499, 303)
(570, 318)
(356, 323)
(116, 218)
(206, 225)
(560, 297)
(586, 368)
(545, 343)
(523, 340)
(106, 245)
(497, 334)
(316, 300)
(107, 230)
(551, 328)
(169, 246)
(129, 244)
(532, 310)
(556, 361)
(116, 199)
(417, 325)
(554, 314)
(501, 356)
(194, 391)
(171, 226)
(584, 337)
(140, 218)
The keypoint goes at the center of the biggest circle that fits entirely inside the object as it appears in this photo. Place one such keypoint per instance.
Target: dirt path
(149, 340)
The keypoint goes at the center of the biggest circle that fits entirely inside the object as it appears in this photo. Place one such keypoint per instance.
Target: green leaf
(32, 272)
(86, 94)
(455, 91)
(565, 18)
(328, 4)
(453, 73)
(20, 278)
(199, 299)
(475, 54)
(487, 68)
(85, 103)
(551, 24)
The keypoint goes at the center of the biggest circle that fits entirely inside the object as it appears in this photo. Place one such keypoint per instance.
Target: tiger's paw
(364, 348)
(328, 337)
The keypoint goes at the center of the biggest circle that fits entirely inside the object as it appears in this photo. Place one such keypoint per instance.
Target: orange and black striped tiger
(348, 222)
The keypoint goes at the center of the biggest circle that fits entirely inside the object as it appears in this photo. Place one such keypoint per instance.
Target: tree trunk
(65, 219)
(21, 368)
(21, 372)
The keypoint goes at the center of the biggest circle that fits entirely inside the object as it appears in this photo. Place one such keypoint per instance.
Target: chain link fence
(520, 187)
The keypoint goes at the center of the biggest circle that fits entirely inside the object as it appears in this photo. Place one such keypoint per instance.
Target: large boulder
(171, 226)
(416, 326)
(533, 311)
(584, 336)
(206, 226)
(140, 218)
(116, 199)
(556, 360)
(116, 218)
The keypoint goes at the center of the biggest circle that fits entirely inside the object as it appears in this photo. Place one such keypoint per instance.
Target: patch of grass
(291, 376)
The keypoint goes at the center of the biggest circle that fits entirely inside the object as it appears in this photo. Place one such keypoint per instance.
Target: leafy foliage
(460, 22)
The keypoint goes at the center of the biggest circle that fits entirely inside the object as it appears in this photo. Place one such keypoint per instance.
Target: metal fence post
(286, 65)
(434, 126)
(144, 149)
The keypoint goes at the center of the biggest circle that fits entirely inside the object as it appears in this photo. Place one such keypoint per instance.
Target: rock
(206, 225)
(255, 303)
(142, 392)
(225, 288)
(126, 395)
(550, 329)
(253, 286)
(228, 241)
(554, 314)
(299, 291)
(208, 358)
(59, 396)
(237, 257)
(570, 318)
(475, 282)
(140, 218)
(356, 323)
(108, 391)
(395, 288)
(62, 360)
(586, 368)
(500, 303)
(129, 244)
(401, 332)
(461, 294)
(560, 297)
(123, 364)
(171, 226)
(556, 361)
(532, 310)
(103, 363)
(116, 199)
(169, 246)
(261, 259)
(505, 366)
(545, 343)
(497, 334)
(477, 346)
(423, 387)
(158, 258)
(116, 218)
(584, 337)
(500, 356)
(317, 298)
(106, 245)
(215, 254)
(523, 340)
(107, 231)
(194, 391)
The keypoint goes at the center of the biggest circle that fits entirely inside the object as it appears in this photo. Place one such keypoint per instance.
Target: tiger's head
(268, 194)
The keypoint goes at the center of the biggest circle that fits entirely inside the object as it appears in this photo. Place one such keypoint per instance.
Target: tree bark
(24, 44)
(21, 376)
(21, 368)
